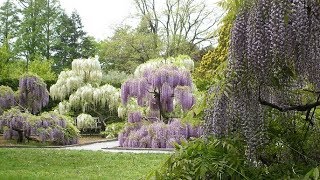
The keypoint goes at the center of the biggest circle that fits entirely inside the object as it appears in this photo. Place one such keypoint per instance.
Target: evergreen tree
(72, 42)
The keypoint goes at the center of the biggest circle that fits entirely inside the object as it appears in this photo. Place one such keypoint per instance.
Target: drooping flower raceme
(157, 134)
(274, 51)
(83, 71)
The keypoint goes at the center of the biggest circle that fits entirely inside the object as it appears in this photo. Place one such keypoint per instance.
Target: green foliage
(43, 69)
(113, 130)
(126, 49)
(115, 78)
(211, 69)
(206, 159)
(225, 159)
(312, 174)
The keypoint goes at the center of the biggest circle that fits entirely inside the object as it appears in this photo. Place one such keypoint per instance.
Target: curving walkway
(111, 146)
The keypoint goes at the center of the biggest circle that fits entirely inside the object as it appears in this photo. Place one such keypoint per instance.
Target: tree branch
(301, 108)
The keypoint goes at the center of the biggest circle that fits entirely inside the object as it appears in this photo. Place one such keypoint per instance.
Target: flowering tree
(159, 91)
(274, 54)
(161, 86)
(33, 93)
(79, 90)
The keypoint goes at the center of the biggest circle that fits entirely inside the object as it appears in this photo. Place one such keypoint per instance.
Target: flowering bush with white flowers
(80, 91)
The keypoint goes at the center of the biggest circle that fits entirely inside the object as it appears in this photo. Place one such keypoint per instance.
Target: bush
(113, 130)
(86, 123)
(213, 158)
(49, 127)
(205, 159)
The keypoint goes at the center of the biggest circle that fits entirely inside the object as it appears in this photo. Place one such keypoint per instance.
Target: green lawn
(64, 164)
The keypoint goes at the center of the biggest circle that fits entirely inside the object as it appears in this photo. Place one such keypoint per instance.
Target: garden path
(110, 146)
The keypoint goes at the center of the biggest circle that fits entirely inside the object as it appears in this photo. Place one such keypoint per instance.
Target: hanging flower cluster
(7, 99)
(141, 134)
(50, 127)
(67, 83)
(87, 97)
(33, 93)
(275, 48)
(83, 71)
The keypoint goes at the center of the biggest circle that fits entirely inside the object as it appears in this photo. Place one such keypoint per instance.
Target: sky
(100, 17)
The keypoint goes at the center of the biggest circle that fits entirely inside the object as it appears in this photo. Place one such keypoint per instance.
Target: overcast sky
(99, 17)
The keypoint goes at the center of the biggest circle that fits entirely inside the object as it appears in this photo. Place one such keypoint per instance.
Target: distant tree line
(41, 30)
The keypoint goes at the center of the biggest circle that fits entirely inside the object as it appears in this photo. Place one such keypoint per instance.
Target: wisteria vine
(275, 47)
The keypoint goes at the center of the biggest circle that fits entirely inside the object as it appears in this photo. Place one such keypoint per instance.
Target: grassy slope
(64, 164)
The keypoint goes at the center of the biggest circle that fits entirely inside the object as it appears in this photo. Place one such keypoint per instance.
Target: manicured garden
(66, 164)
(244, 108)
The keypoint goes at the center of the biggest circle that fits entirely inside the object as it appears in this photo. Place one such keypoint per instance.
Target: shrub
(49, 127)
(205, 159)
(85, 121)
(113, 130)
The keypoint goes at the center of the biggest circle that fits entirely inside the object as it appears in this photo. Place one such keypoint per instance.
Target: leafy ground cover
(65, 164)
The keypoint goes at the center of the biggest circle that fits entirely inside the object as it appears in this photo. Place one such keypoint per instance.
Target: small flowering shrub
(160, 87)
(50, 127)
(32, 95)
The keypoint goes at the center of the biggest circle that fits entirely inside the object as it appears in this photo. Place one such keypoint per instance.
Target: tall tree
(89, 47)
(182, 24)
(9, 25)
(72, 42)
(38, 28)
(127, 48)
(31, 37)
(52, 12)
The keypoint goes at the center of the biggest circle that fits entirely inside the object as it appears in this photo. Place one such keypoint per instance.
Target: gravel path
(105, 146)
